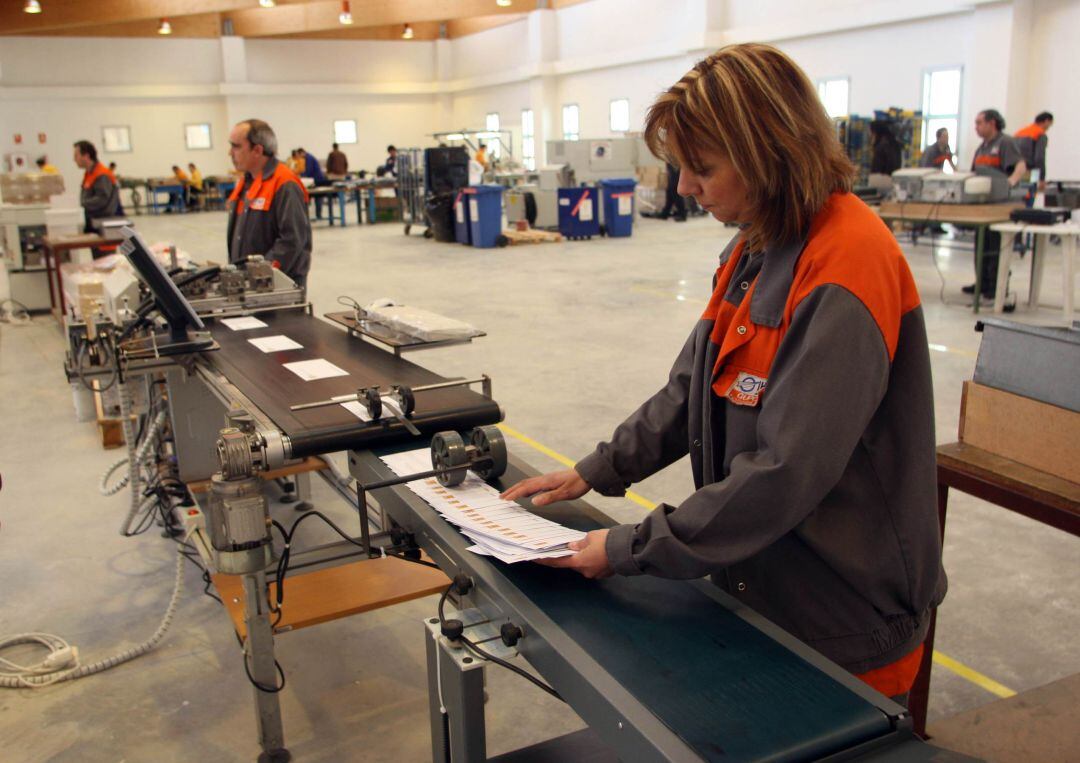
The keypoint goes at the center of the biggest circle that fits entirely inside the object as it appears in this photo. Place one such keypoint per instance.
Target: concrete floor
(579, 334)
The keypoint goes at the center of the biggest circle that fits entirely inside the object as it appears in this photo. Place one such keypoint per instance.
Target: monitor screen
(175, 308)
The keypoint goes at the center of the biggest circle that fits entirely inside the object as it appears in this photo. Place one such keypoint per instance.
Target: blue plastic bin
(578, 213)
(618, 196)
(485, 214)
(462, 229)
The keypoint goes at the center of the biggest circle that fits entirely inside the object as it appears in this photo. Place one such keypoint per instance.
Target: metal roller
(447, 451)
(489, 443)
(373, 402)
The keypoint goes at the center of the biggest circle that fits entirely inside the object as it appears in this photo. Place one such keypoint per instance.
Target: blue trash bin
(462, 229)
(578, 216)
(618, 205)
(485, 214)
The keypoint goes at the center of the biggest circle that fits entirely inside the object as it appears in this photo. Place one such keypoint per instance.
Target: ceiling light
(267, 3)
(504, 3)
(346, 14)
(408, 33)
(165, 28)
(32, 6)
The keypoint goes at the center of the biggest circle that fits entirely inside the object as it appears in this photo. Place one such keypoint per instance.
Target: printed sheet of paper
(356, 409)
(276, 343)
(313, 370)
(499, 528)
(243, 324)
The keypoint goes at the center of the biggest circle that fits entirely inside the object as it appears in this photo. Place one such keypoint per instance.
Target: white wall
(1052, 83)
(28, 61)
(339, 61)
(489, 51)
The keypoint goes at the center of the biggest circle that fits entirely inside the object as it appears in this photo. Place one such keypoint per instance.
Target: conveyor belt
(726, 688)
(262, 378)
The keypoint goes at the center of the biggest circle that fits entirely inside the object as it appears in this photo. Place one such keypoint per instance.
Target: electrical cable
(62, 662)
(481, 654)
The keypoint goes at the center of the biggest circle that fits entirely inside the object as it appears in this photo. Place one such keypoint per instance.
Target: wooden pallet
(531, 236)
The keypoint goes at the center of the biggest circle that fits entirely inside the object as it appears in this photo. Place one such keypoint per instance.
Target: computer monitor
(175, 308)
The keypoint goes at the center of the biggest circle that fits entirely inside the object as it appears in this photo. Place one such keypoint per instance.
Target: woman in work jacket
(803, 394)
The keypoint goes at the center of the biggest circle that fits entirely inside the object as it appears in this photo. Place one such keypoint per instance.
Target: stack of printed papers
(499, 528)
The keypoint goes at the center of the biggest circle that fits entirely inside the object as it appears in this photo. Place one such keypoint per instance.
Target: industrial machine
(26, 217)
(594, 160)
(907, 183)
(538, 203)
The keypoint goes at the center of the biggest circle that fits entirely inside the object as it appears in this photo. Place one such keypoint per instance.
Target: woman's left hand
(591, 559)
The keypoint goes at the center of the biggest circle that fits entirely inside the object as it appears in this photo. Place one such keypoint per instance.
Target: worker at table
(196, 185)
(268, 207)
(998, 154)
(100, 194)
(44, 166)
(802, 395)
(938, 153)
(1031, 141)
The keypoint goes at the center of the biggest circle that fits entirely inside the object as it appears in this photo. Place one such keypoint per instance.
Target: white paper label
(474, 210)
(278, 343)
(312, 370)
(585, 210)
(460, 209)
(626, 205)
(564, 202)
(243, 324)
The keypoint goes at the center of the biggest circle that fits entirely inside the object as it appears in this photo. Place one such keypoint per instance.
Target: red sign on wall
(41, 137)
(18, 138)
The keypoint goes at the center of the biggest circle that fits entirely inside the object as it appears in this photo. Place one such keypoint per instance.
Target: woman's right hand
(549, 488)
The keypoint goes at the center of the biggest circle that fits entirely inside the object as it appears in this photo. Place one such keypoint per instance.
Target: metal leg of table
(456, 686)
(919, 697)
(359, 206)
(303, 491)
(980, 239)
(259, 654)
(371, 206)
(1037, 260)
(341, 206)
(1068, 264)
(1004, 266)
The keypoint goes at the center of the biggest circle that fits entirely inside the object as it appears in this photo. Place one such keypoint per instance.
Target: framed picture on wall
(345, 131)
(197, 136)
(116, 139)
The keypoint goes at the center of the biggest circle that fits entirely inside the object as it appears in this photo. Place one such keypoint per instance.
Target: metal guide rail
(659, 669)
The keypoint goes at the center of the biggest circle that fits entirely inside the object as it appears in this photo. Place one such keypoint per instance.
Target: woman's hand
(591, 559)
(549, 488)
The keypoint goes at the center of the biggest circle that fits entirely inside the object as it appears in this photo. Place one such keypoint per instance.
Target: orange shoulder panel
(1032, 131)
(851, 247)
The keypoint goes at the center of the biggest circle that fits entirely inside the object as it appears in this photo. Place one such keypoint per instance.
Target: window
(345, 131)
(528, 139)
(494, 145)
(197, 137)
(834, 95)
(619, 115)
(570, 115)
(116, 139)
(941, 107)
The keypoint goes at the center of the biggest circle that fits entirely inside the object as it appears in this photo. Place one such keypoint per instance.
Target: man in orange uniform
(1031, 141)
(100, 195)
(268, 208)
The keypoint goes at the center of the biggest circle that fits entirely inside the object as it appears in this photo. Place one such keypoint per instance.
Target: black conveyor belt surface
(263, 379)
(728, 690)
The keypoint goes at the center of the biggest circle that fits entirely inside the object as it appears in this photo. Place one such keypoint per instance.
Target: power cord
(454, 630)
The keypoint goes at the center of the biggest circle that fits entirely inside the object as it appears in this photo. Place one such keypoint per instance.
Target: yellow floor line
(640, 501)
(973, 676)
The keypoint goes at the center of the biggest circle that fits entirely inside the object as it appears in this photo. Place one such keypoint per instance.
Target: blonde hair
(754, 105)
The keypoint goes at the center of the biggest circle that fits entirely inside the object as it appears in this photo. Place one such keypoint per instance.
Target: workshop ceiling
(286, 19)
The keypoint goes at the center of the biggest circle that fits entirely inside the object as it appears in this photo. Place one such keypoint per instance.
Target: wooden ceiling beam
(68, 14)
(202, 25)
(323, 16)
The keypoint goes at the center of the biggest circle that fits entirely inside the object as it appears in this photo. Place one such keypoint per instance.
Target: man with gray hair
(268, 209)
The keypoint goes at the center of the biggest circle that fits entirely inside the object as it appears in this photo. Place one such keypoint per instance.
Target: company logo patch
(259, 203)
(746, 389)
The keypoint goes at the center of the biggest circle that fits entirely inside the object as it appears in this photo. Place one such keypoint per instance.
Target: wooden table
(52, 247)
(1006, 483)
(978, 216)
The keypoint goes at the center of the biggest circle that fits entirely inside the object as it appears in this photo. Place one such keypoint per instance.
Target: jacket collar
(268, 170)
(770, 294)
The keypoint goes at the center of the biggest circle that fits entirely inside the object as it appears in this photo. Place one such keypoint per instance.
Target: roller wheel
(501, 241)
(448, 450)
(408, 400)
(373, 402)
(489, 442)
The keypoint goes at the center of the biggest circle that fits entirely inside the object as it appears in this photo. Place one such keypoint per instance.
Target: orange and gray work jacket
(268, 215)
(803, 397)
(935, 156)
(1031, 141)
(100, 197)
(998, 153)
